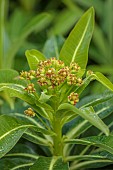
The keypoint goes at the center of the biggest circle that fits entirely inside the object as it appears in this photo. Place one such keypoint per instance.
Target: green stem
(42, 121)
(57, 140)
(2, 5)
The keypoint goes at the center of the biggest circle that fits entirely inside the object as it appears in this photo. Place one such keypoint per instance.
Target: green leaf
(44, 97)
(34, 137)
(37, 23)
(33, 57)
(52, 46)
(21, 157)
(104, 142)
(86, 157)
(88, 114)
(75, 49)
(15, 90)
(16, 163)
(92, 164)
(10, 76)
(49, 163)
(103, 80)
(10, 132)
(94, 100)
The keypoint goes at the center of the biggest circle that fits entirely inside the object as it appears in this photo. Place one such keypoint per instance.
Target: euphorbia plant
(52, 89)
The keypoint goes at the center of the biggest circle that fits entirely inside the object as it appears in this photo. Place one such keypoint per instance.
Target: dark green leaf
(47, 163)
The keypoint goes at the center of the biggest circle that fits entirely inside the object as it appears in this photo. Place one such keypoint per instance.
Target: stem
(2, 5)
(57, 140)
(42, 121)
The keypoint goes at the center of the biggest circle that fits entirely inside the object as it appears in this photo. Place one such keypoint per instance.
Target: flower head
(29, 112)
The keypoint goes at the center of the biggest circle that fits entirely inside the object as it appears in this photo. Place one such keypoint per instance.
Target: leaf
(75, 48)
(16, 163)
(33, 57)
(21, 157)
(94, 100)
(65, 20)
(34, 137)
(49, 163)
(37, 23)
(87, 157)
(104, 142)
(52, 46)
(10, 132)
(103, 80)
(15, 90)
(92, 164)
(80, 126)
(88, 114)
(44, 97)
(86, 82)
(10, 76)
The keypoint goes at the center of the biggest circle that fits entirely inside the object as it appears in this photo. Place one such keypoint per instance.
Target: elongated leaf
(16, 163)
(52, 46)
(49, 163)
(33, 57)
(104, 142)
(86, 82)
(103, 80)
(37, 23)
(94, 100)
(10, 76)
(88, 114)
(86, 157)
(20, 157)
(15, 90)
(10, 132)
(75, 49)
(91, 164)
(34, 137)
(79, 126)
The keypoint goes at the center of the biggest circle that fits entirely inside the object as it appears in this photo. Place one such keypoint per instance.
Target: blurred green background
(44, 25)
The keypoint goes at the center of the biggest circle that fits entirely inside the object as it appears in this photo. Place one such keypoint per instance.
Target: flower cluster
(28, 75)
(52, 73)
(29, 112)
(73, 98)
(30, 88)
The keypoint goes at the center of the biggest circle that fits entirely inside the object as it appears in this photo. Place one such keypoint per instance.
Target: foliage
(52, 88)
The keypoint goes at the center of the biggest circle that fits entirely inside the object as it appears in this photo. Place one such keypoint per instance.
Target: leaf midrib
(7, 133)
(73, 58)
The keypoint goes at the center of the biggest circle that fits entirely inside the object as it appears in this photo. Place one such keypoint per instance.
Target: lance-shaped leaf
(38, 23)
(16, 90)
(20, 157)
(10, 132)
(92, 164)
(103, 80)
(88, 114)
(104, 142)
(75, 49)
(49, 163)
(10, 76)
(33, 57)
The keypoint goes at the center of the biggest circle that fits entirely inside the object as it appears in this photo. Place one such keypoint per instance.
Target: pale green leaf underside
(75, 48)
(88, 114)
(103, 80)
(33, 57)
(104, 142)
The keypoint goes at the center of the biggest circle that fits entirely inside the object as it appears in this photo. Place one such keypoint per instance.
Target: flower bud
(73, 98)
(29, 112)
(30, 88)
